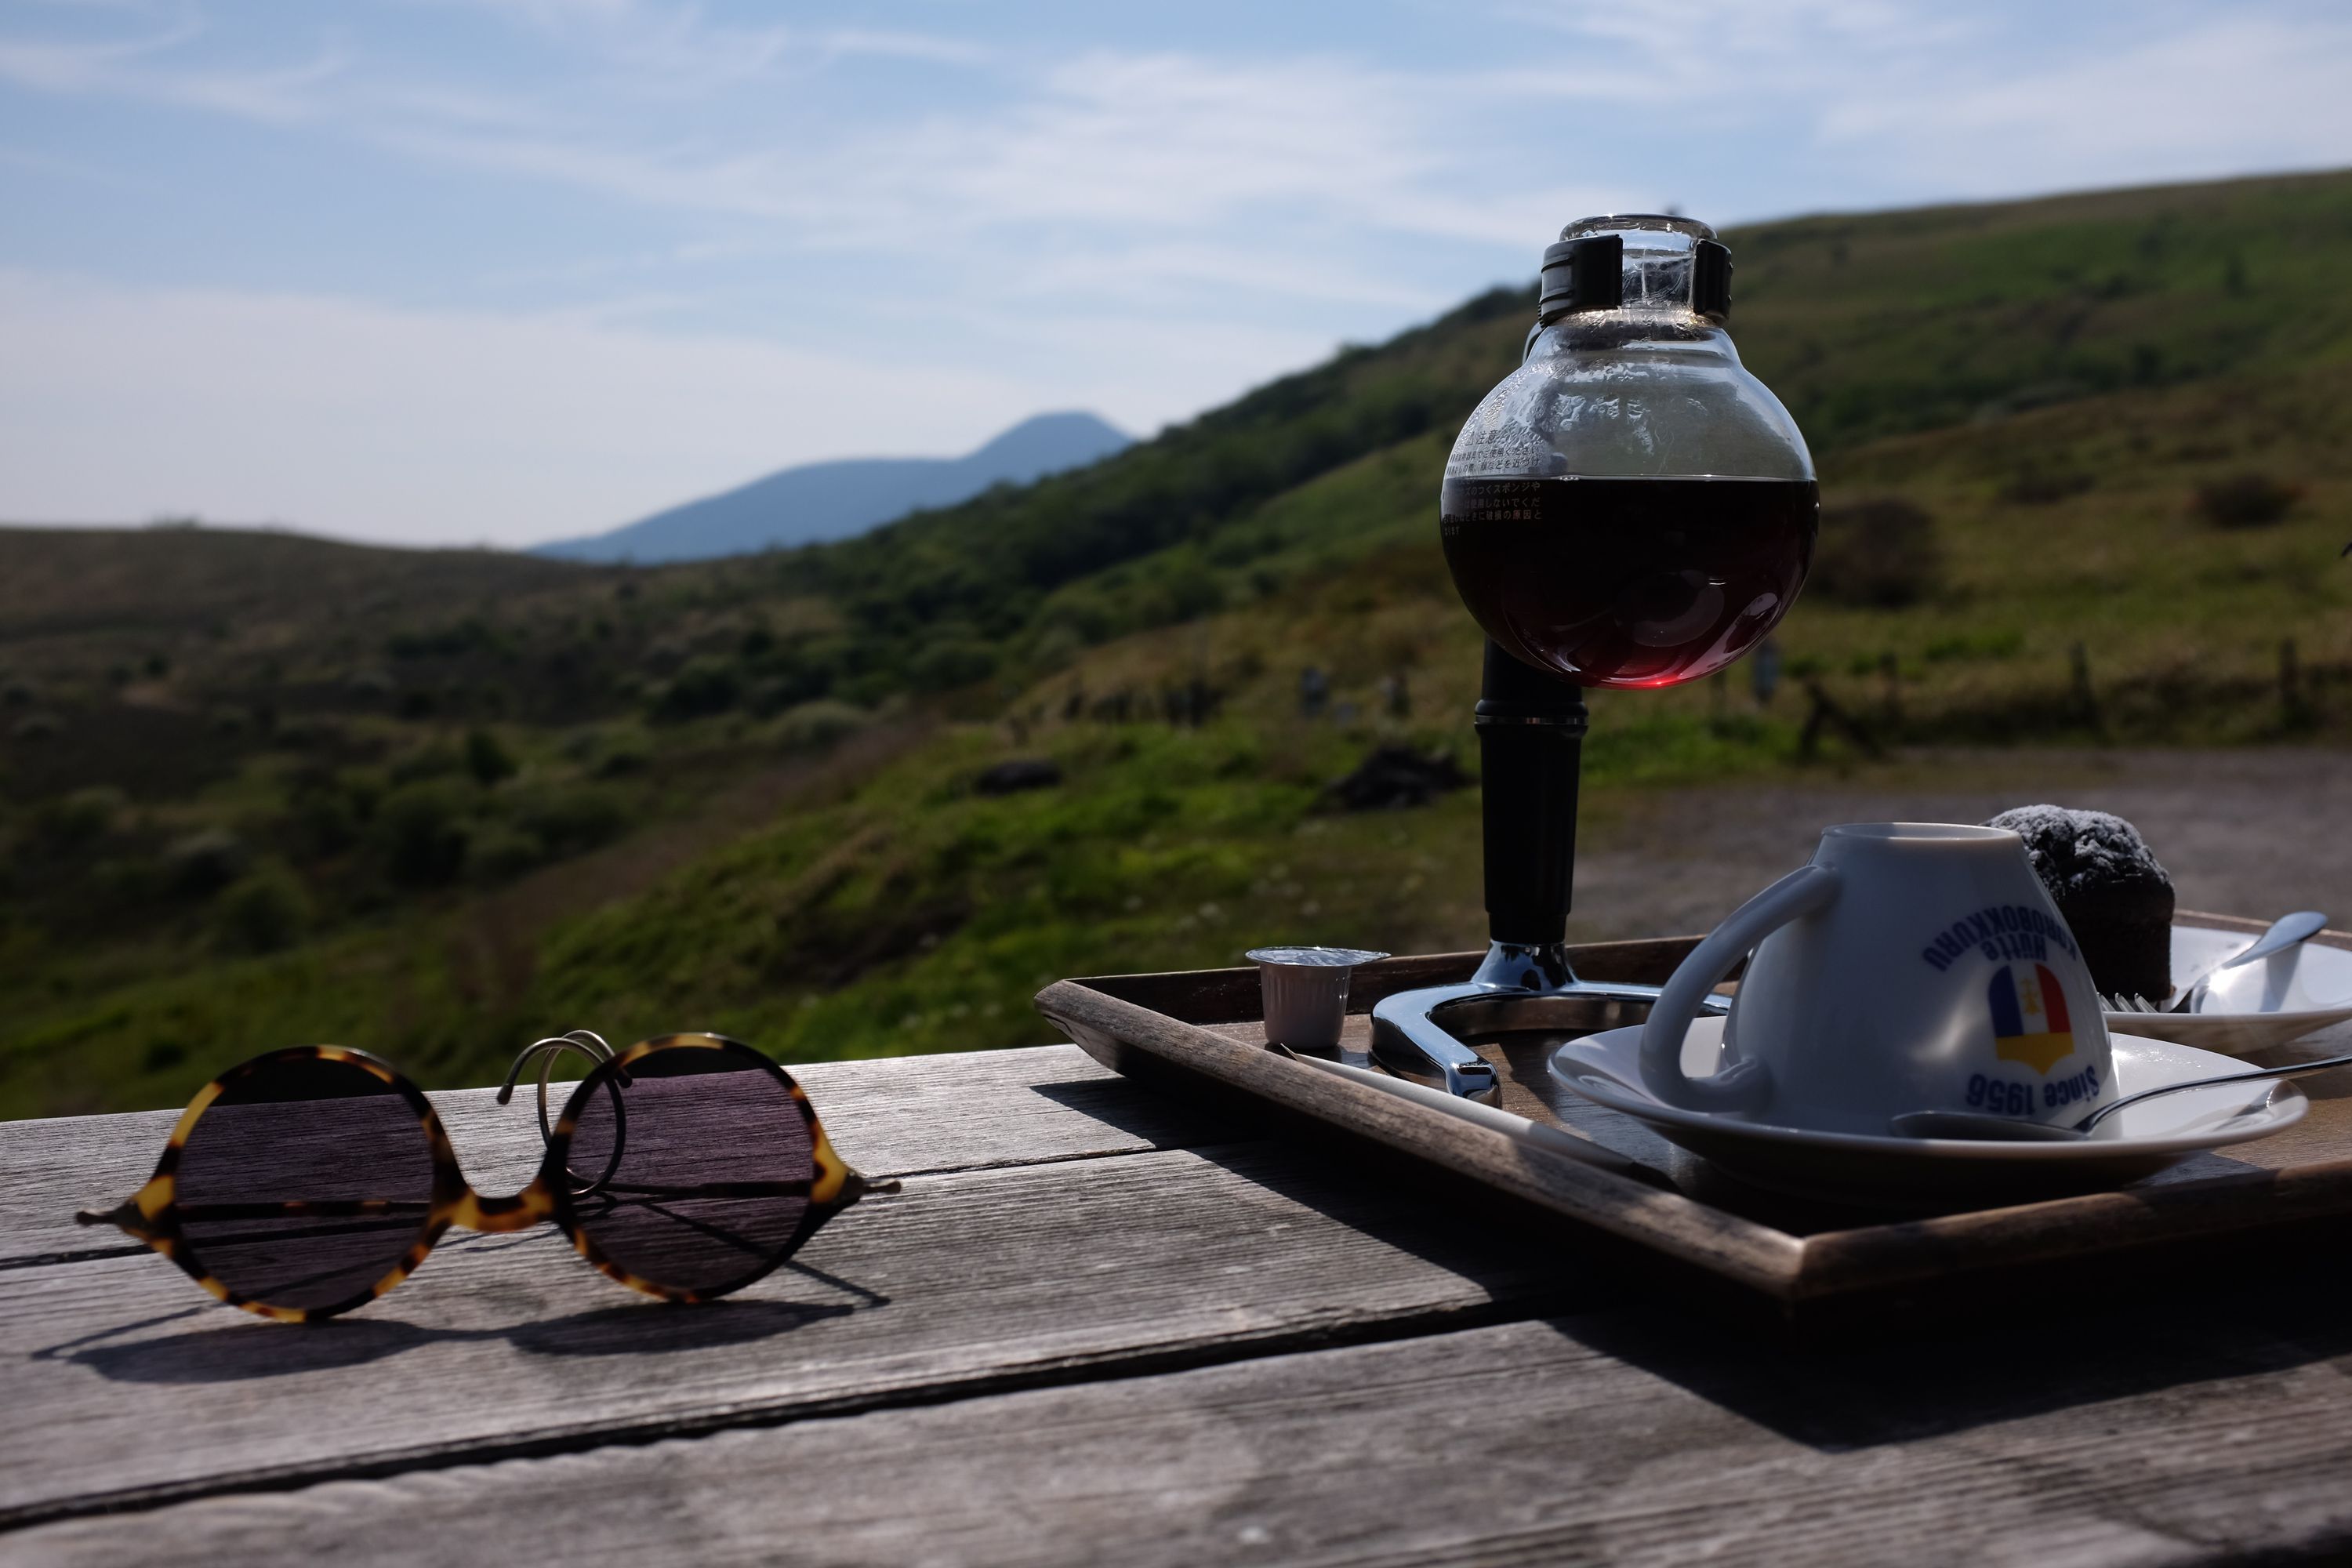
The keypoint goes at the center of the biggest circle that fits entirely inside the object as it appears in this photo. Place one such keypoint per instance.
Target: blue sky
(504, 270)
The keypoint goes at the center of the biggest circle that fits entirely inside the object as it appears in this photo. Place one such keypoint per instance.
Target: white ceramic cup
(1909, 966)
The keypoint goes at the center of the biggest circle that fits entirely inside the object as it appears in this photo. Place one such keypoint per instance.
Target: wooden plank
(891, 1116)
(126, 1384)
(1585, 1440)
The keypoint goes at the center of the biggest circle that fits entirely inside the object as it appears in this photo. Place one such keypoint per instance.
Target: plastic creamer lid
(1313, 957)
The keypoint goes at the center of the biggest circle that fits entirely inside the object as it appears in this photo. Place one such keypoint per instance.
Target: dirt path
(2246, 832)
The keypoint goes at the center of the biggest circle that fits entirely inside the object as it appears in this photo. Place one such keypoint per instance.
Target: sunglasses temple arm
(858, 1186)
(554, 1045)
(126, 1217)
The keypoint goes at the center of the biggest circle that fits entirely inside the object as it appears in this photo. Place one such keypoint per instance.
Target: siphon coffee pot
(1629, 508)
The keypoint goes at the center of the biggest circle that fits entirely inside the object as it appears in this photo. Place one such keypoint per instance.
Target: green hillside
(2086, 466)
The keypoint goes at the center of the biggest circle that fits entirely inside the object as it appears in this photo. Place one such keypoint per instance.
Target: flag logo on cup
(2029, 1016)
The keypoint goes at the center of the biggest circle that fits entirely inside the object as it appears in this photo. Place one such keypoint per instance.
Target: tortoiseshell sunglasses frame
(152, 1214)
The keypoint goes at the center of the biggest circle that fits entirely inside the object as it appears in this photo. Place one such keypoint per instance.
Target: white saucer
(1892, 1171)
(2299, 992)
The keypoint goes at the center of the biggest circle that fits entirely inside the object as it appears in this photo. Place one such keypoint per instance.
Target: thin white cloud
(843, 43)
(52, 65)
(1164, 143)
(665, 48)
(2242, 93)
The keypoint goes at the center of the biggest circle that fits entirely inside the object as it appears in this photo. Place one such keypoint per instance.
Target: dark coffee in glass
(1629, 582)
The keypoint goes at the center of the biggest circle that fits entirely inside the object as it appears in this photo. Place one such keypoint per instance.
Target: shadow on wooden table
(232, 1348)
(1165, 1121)
(1934, 1360)
(1444, 1223)
(1901, 1380)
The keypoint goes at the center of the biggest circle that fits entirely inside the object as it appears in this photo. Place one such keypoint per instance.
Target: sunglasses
(307, 1182)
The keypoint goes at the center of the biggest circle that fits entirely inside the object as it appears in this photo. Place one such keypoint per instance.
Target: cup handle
(1806, 890)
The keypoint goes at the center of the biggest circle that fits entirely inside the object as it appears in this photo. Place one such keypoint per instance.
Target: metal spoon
(2247, 985)
(1976, 1124)
(2285, 932)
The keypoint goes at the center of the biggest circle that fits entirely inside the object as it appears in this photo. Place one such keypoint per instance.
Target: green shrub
(2244, 501)
(486, 759)
(131, 877)
(73, 821)
(821, 724)
(326, 818)
(1965, 645)
(266, 910)
(623, 755)
(1186, 588)
(421, 830)
(203, 863)
(702, 687)
(443, 642)
(1880, 554)
(498, 850)
(951, 662)
(302, 734)
(568, 819)
(439, 760)
(800, 681)
(2032, 486)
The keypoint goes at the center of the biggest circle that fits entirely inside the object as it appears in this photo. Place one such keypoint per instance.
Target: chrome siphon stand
(1531, 741)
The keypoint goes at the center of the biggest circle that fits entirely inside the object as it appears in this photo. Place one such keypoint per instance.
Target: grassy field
(261, 789)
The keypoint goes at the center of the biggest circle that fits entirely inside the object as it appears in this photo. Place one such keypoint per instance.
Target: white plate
(2298, 992)
(1906, 1172)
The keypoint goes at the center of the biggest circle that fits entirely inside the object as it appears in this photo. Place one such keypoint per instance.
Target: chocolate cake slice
(2109, 891)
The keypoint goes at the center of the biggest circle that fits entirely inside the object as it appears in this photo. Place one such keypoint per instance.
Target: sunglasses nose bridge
(532, 1206)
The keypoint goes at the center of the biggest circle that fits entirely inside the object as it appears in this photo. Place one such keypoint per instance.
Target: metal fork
(2135, 1003)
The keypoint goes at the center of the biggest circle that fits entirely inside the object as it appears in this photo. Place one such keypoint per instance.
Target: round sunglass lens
(304, 1184)
(709, 1160)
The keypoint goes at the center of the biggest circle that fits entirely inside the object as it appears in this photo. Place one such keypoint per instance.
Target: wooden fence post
(2086, 702)
(2293, 710)
(1827, 714)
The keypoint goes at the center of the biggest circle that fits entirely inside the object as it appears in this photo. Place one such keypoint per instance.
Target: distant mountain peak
(1045, 437)
(839, 498)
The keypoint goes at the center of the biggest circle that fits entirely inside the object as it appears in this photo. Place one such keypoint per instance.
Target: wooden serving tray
(1199, 1034)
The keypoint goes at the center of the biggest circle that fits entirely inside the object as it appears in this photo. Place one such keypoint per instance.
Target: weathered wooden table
(1099, 1326)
